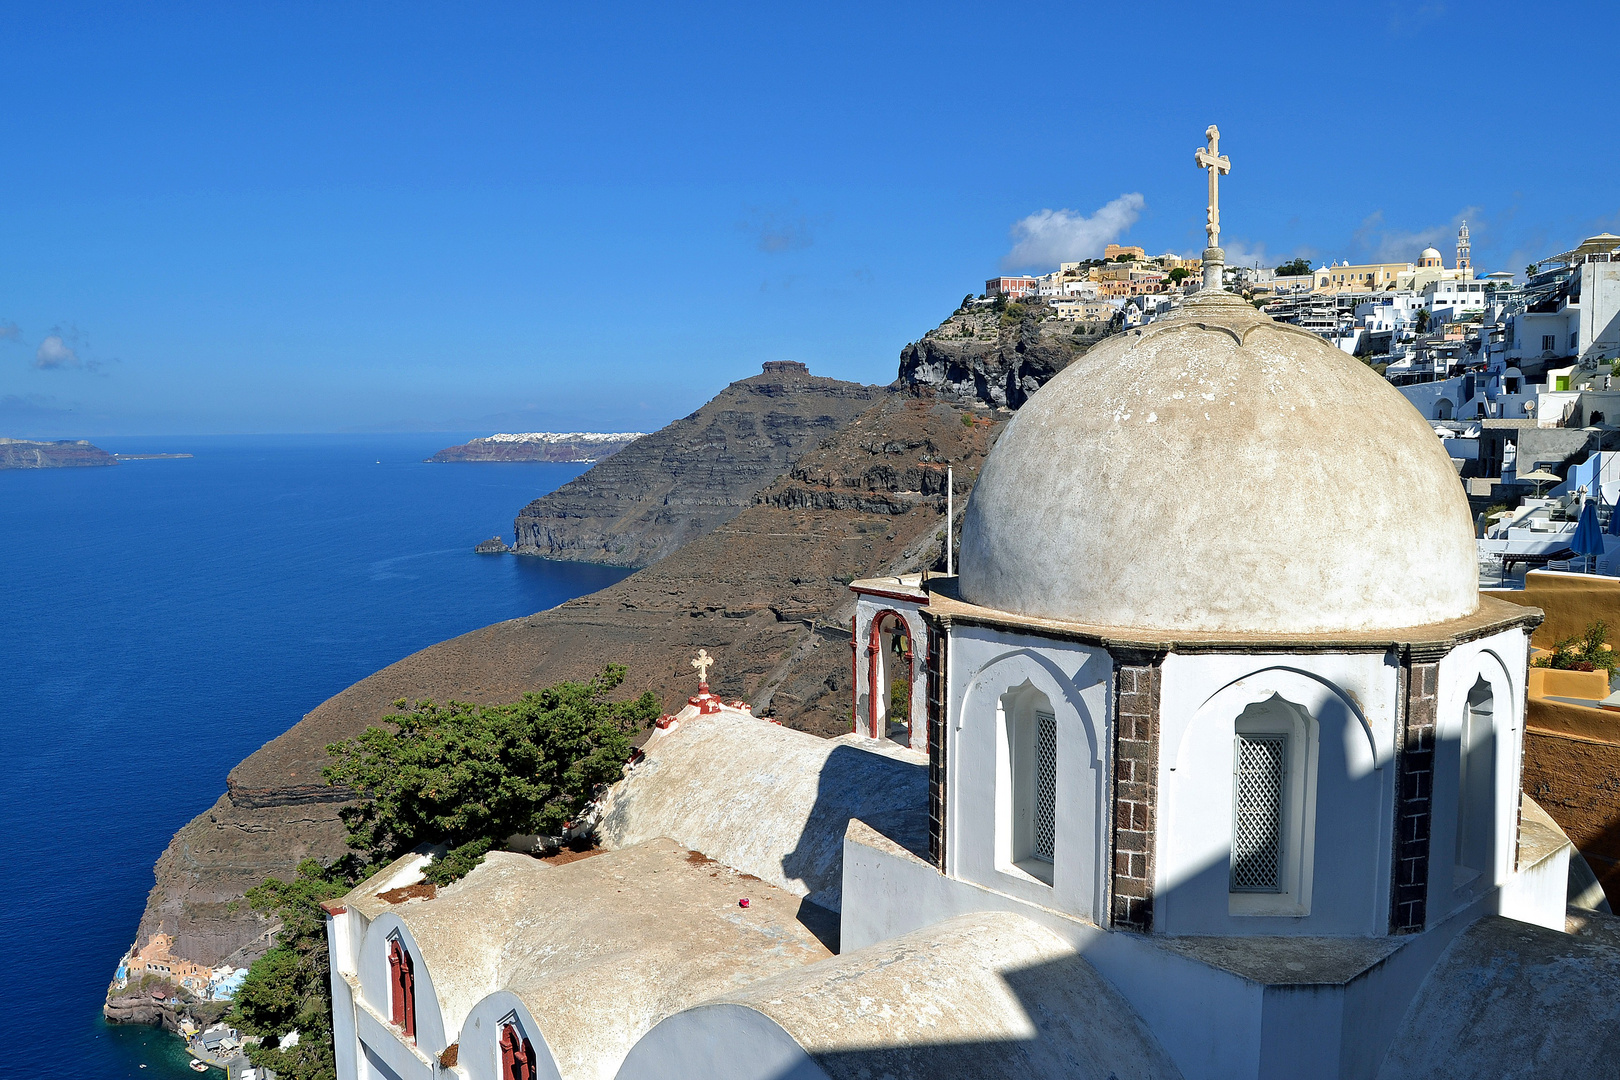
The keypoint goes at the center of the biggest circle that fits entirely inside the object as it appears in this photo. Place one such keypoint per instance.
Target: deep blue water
(159, 621)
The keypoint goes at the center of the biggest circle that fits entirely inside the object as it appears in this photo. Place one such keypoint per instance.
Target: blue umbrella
(1614, 519)
(1588, 538)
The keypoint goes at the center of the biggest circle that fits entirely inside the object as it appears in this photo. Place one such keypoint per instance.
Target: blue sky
(347, 217)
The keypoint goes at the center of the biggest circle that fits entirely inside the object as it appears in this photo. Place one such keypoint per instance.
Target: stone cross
(703, 662)
(1212, 159)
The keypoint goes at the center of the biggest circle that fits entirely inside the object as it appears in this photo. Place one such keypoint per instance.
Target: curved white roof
(1220, 472)
(991, 994)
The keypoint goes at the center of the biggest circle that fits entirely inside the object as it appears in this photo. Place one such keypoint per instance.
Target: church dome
(1429, 253)
(1218, 471)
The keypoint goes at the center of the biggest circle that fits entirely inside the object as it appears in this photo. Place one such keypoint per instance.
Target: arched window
(402, 987)
(517, 1054)
(1031, 735)
(1476, 785)
(1271, 789)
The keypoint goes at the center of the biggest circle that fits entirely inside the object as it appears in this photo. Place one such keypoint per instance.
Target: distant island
(62, 454)
(541, 446)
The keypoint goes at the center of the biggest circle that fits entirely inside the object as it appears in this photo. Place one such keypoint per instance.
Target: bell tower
(1463, 262)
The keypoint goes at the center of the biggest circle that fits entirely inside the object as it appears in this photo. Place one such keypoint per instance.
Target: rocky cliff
(763, 589)
(541, 446)
(764, 592)
(690, 476)
(26, 454)
(994, 356)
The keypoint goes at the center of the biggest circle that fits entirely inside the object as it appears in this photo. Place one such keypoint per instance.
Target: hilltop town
(1514, 370)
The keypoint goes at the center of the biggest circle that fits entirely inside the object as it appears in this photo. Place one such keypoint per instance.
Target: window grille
(1045, 784)
(1262, 766)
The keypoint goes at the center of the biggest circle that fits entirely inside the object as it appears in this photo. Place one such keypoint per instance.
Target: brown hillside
(765, 593)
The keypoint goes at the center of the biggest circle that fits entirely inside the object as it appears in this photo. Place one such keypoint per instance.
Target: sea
(162, 619)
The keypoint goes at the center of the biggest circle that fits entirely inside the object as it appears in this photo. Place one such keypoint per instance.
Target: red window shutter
(517, 1055)
(407, 972)
(396, 986)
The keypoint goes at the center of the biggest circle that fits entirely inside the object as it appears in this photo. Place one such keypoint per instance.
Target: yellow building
(1114, 251)
(1366, 277)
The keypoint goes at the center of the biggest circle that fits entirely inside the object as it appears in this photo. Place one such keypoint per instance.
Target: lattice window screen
(1262, 768)
(1045, 784)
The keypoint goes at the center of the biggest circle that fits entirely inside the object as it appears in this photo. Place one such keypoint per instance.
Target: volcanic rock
(690, 476)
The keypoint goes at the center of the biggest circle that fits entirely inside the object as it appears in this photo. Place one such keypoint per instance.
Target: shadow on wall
(888, 794)
(1057, 1019)
(978, 997)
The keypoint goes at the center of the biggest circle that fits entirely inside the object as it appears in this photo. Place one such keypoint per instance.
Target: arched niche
(1333, 806)
(995, 773)
(376, 982)
(1476, 781)
(480, 1053)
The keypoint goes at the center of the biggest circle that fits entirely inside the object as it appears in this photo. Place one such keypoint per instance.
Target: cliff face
(979, 357)
(683, 480)
(540, 446)
(764, 592)
(25, 454)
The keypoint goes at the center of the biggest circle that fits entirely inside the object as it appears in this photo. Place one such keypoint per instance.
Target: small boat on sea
(198, 1066)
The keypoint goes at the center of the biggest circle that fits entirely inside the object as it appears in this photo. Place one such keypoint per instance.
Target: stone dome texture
(1220, 472)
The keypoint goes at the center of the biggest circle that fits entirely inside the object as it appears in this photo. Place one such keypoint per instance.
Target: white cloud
(1048, 237)
(54, 353)
(1383, 244)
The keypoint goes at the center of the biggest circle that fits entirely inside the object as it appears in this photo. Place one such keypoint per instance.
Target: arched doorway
(891, 656)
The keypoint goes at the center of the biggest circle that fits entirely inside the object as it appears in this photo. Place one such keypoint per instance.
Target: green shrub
(459, 773)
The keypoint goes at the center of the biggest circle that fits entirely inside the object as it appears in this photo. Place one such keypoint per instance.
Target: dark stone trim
(938, 679)
(1135, 805)
(1415, 728)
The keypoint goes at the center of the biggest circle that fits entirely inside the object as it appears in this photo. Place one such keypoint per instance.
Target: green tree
(1530, 271)
(461, 773)
(1422, 320)
(1178, 275)
(1294, 268)
(287, 988)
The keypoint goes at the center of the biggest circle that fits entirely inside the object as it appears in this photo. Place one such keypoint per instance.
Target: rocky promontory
(62, 454)
(566, 446)
(678, 483)
(995, 354)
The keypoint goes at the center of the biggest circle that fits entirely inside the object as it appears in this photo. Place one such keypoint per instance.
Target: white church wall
(1377, 1002)
(986, 666)
(383, 1056)
(718, 1042)
(1491, 662)
(431, 1033)
(344, 932)
(479, 1054)
(1336, 859)
(1539, 894)
(1208, 1020)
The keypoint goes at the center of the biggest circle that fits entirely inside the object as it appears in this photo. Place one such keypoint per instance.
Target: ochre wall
(1577, 781)
(1571, 603)
(1572, 754)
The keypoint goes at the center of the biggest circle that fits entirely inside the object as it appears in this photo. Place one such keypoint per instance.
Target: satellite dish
(1529, 406)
